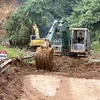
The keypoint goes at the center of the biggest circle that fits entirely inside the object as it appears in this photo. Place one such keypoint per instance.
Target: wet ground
(53, 87)
(71, 79)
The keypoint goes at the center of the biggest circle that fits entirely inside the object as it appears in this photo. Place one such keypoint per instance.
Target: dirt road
(71, 79)
(60, 88)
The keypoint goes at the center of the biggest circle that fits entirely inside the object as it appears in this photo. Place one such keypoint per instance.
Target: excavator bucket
(44, 58)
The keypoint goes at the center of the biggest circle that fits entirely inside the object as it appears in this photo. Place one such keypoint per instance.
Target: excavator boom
(53, 43)
(44, 54)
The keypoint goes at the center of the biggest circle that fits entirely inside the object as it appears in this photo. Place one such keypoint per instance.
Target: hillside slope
(7, 7)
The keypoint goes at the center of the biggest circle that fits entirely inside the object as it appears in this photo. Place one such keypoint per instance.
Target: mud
(56, 87)
(11, 82)
(77, 67)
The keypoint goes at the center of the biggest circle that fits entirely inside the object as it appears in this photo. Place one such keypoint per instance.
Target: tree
(42, 12)
(87, 14)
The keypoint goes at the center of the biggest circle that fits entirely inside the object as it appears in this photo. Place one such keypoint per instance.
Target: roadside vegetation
(95, 47)
(12, 52)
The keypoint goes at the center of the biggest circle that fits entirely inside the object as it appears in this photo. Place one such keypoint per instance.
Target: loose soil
(77, 67)
(11, 82)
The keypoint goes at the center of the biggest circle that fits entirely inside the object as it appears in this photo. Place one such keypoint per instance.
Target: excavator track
(44, 58)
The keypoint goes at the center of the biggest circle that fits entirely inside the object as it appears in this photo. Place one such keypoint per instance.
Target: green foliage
(87, 14)
(12, 52)
(42, 12)
(96, 46)
(17, 28)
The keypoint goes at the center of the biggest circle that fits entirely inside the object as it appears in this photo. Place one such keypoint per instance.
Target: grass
(12, 52)
(16, 52)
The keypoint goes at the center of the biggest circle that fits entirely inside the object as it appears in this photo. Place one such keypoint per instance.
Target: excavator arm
(53, 44)
(35, 28)
(52, 30)
(44, 54)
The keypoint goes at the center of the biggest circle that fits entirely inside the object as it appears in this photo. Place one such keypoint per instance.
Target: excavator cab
(36, 42)
(32, 37)
(57, 43)
(80, 41)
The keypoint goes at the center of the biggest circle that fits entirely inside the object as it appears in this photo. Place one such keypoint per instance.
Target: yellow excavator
(59, 41)
(35, 40)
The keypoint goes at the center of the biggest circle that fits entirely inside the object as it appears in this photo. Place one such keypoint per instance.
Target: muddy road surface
(71, 79)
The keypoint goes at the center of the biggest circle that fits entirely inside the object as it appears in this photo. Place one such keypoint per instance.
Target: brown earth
(7, 7)
(11, 82)
(77, 67)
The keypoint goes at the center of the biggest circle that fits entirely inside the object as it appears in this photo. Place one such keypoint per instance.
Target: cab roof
(81, 29)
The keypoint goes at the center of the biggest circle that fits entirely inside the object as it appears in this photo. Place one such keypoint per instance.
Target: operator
(80, 39)
(80, 44)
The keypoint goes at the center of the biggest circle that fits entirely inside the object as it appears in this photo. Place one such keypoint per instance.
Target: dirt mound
(11, 81)
(10, 84)
(77, 67)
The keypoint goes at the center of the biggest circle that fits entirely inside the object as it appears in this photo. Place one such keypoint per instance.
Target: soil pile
(11, 81)
(10, 84)
(77, 67)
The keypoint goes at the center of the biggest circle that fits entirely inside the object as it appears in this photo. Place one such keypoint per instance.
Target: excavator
(35, 40)
(59, 41)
